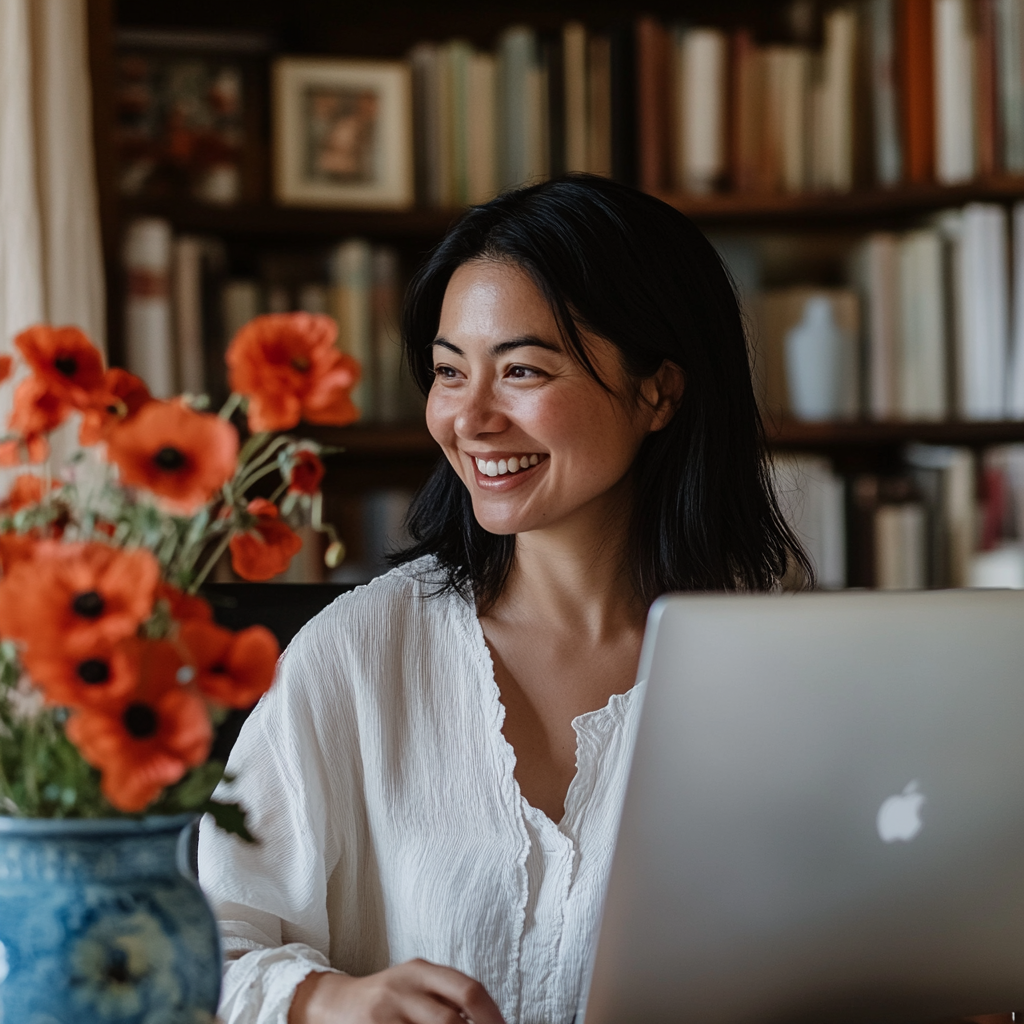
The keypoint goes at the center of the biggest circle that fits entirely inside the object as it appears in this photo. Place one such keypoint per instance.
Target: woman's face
(536, 440)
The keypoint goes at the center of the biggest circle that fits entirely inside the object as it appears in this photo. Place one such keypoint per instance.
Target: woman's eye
(444, 372)
(521, 372)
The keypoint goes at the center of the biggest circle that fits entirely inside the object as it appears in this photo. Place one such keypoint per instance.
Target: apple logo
(899, 817)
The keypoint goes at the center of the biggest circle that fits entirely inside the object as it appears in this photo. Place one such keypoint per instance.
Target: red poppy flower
(34, 448)
(149, 738)
(288, 366)
(90, 679)
(307, 472)
(37, 409)
(123, 395)
(6, 366)
(74, 598)
(182, 456)
(64, 361)
(26, 490)
(267, 547)
(183, 606)
(15, 547)
(232, 669)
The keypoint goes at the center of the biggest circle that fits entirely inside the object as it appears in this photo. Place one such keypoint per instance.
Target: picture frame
(343, 133)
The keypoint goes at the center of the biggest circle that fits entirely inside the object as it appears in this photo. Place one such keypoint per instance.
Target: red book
(652, 96)
(917, 77)
(985, 89)
(744, 114)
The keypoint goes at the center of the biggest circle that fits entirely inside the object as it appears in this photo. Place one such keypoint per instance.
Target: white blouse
(390, 825)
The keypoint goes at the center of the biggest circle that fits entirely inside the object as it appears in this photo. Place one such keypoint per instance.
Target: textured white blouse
(391, 826)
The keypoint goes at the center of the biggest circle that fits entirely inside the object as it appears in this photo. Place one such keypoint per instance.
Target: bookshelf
(401, 455)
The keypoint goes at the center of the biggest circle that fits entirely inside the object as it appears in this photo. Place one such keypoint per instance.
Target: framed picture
(343, 133)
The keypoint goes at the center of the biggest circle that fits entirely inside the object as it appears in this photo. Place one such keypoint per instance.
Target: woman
(436, 776)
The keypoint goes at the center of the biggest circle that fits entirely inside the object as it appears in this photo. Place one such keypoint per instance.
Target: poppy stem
(260, 473)
(228, 408)
(275, 446)
(210, 563)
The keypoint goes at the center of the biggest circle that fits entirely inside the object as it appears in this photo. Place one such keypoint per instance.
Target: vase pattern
(101, 921)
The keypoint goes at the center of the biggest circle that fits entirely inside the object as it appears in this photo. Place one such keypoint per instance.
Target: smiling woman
(436, 777)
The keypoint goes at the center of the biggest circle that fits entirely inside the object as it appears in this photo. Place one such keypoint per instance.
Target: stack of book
(880, 92)
(186, 300)
(937, 315)
(941, 521)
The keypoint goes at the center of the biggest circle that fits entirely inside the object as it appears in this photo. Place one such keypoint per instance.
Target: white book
(900, 547)
(955, 151)
(481, 140)
(149, 338)
(787, 71)
(574, 57)
(982, 281)
(922, 365)
(703, 55)
(881, 286)
(832, 103)
(518, 97)
(351, 274)
(1010, 81)
(885, 99)
(188, 313)
(811, 497)
(1015, 398)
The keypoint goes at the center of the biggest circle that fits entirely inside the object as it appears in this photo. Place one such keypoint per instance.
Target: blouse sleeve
(296, 772)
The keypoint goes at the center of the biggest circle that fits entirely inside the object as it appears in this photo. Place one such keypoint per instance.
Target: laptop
(825, 814)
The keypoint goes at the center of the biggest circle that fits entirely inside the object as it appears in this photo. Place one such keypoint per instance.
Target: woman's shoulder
(410, 599)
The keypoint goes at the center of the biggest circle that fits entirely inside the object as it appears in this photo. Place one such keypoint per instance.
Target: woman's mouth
(501, 467)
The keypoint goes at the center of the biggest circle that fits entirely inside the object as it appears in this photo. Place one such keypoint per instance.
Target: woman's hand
(417, 992)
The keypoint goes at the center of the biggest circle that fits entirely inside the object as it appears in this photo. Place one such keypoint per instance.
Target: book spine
(883, 305)
(922, 376)
(481, 144)
(149, 343)
(888, 149)
(387, 341)
(445, 195)
(954, 99)
(516, 58)
(987, 126)
(351, 274)
(652, 88)
(704, 57)
(426, 123)
(1015, 402)
(460, 56)
(188, 313)
(1009, 18)
(574, 64)
(745, 112)
(917, 81)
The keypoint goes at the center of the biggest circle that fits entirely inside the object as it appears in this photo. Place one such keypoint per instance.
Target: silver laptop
(825, 816)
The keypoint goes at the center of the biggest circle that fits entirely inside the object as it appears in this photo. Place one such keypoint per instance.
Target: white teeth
(492, 468)
(513, 465)
(534, 460)
(502, 467)
(481, 465)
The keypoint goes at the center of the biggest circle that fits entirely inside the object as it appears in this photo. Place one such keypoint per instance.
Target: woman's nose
(479, 411)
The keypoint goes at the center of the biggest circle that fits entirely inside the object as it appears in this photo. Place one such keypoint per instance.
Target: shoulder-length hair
(629, 268)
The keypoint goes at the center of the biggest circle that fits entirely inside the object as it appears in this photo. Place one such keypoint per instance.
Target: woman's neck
(576, 575)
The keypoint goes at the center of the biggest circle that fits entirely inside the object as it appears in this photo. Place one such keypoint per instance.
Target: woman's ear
(662, 393)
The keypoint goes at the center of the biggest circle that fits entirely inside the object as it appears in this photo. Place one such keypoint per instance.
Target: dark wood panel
(796, 435)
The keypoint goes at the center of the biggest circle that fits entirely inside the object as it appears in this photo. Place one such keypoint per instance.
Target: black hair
(629, 268)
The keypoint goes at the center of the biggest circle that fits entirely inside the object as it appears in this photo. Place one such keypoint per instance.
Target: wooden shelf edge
(737, 208)
(385, 441)
(794, 434)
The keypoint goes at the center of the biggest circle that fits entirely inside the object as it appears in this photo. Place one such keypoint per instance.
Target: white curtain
(51, 266)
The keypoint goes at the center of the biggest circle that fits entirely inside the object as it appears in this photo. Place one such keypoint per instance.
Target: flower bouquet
(113, 674)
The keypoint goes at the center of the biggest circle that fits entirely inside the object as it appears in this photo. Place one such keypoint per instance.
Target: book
(901, 547)
(745, 112)
(517, 98)
(878, 273)
(981, 281)
(986, 121)
(812, 499)
(188, 313)
(458, 58)
(832, 104)
(351, 305)
(652, 94)
(148, 327)
(786, 91)
(1015, 397)
(574, 70)
(481, 141)
(390, 401)
(917, 81)
(954, 93)
(423, 58)
(1009, 31)
(703, 66)
(888, 148)
(921, 374)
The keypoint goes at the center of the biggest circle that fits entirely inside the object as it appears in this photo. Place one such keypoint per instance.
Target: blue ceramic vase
(101, 920)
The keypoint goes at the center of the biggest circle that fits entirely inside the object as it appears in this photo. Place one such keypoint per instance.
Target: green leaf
(194, 790)
(231, 818)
